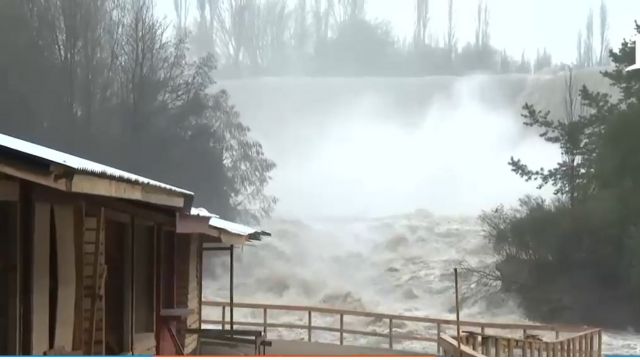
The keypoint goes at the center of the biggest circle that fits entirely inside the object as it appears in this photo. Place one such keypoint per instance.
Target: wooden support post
(309, 327)
(455, 274)
(484, 342)
(438, 338)
(223, 317)
(510, 347)
(201, 280)
(524, 342)
(264, 322)
(341, 329)
(231, 288)
(599, 342)
(390, 333)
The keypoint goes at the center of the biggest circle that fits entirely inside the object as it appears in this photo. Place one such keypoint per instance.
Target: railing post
(341, 329)
(483, 342)
(309, 327)
(599, 342)
(390, 333)
(524, 342)
(438, 338)
(264, 322)
(223, 317)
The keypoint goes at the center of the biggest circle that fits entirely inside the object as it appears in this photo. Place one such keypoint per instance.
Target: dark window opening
(8, 278)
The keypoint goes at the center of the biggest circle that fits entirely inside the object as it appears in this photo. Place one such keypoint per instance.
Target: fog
(358, 151)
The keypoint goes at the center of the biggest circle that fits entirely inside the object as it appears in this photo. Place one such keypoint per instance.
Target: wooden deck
(481, 338)
(301, 348)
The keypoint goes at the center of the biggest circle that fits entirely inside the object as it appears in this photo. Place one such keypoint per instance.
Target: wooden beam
(88, 184)
(39, 177)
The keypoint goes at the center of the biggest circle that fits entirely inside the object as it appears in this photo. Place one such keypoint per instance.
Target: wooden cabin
(88, 261)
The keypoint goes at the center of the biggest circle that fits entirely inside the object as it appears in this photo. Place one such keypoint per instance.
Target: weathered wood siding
(187, 286)
(193, 298)
(65, 311)
(40, 279)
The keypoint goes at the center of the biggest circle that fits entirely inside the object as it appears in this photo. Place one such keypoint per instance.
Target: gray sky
(516, 25)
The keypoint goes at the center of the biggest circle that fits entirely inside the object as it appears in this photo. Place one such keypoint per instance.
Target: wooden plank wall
(63, 217)
(40, 279)
(187, 286)
(193, 297)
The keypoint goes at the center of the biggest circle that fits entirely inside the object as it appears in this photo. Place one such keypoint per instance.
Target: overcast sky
(515, 25)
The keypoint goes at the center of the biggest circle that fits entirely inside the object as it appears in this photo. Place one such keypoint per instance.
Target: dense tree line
(107, 80)
(575, 257)
(334, 37)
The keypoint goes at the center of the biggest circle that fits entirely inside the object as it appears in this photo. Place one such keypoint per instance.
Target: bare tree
(451, 35)
(347, 10)
(322, 14)
(603, 57)
(181, 8)
(422, 22)
(588, 47)
(301, 34)
(579, 53)
(485, 27)
(231, 27)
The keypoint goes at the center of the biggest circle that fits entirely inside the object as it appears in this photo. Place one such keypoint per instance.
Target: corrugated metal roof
(79, 164)
(216, 222)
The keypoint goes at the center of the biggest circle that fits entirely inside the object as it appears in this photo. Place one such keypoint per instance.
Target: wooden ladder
(96, 285)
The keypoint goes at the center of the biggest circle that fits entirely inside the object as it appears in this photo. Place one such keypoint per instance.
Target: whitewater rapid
(356, 158)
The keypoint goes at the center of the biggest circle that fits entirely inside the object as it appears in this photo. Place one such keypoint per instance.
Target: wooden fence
(491, 339)
(584, 344)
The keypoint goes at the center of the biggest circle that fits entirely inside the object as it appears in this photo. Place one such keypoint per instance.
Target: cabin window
(8, 278)
(168, 270)
(144, 279)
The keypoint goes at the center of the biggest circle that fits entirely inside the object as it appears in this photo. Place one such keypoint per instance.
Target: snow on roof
(80, 164)
(232, 227)
(216, 222)
(202, 212)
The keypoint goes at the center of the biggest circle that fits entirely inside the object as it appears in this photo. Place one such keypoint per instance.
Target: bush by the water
(576, 258)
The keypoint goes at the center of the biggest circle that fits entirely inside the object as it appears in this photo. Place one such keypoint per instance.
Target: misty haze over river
(380, 181)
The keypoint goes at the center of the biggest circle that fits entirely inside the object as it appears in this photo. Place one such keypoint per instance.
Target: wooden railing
(584, 344)
(566, 340)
